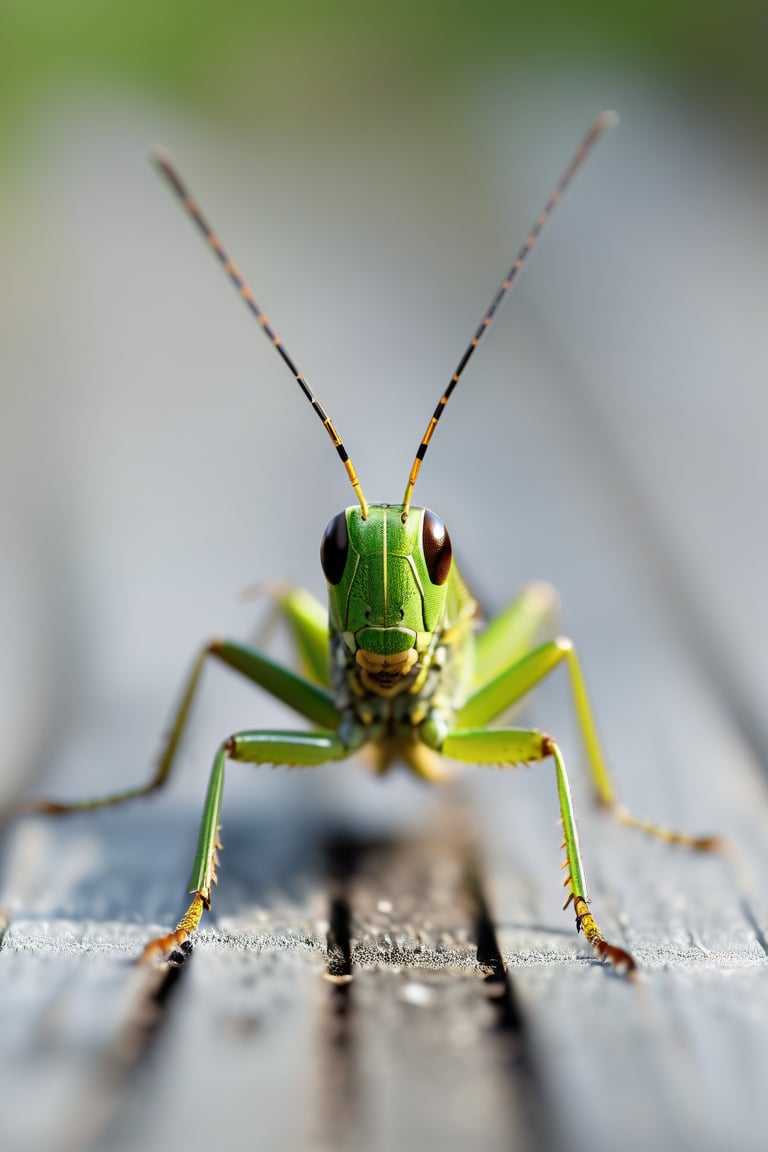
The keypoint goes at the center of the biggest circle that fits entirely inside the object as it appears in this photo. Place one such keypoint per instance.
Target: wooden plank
(417, 1012)
(126, 1049)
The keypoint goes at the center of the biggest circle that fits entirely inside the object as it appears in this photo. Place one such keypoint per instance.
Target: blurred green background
(256, 65)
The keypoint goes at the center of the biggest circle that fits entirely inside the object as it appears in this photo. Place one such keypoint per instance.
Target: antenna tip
(162, 160)
(606, 120)
(160, 156)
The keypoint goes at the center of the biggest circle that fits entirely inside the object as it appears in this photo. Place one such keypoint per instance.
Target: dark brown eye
(437, 548)
(334, 549)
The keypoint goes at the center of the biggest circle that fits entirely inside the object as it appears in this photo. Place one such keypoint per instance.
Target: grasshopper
(397, 663)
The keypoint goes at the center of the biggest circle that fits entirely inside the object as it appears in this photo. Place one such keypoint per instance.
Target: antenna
(603, 122)
(165, 164)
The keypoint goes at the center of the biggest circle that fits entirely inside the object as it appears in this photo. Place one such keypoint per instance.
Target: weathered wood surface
(425, 1046)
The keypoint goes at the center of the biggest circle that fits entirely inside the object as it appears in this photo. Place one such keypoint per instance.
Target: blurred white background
(156, 458)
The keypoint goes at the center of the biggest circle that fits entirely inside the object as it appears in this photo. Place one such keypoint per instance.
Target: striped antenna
(166, 166)
(604, 121)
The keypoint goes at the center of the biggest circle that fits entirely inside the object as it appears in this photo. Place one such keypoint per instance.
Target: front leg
(294, 749)
(506, 747)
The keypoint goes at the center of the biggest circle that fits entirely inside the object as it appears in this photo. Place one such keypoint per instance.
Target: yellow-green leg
(506, 685)
(510, 746)
(295, 749)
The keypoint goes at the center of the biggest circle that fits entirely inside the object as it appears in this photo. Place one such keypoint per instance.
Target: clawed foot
(175, 948)
(618, 958)
(623, 961)
(179, 938)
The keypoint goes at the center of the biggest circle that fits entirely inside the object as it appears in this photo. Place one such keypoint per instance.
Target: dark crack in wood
(342, 855)
(497, 981)
(510, 1018)
(337, 1117)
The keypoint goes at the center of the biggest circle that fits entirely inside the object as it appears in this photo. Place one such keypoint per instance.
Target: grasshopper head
(387, 586)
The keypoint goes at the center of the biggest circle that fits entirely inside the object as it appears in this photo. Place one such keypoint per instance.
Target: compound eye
(334, 549)
(437, 548)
